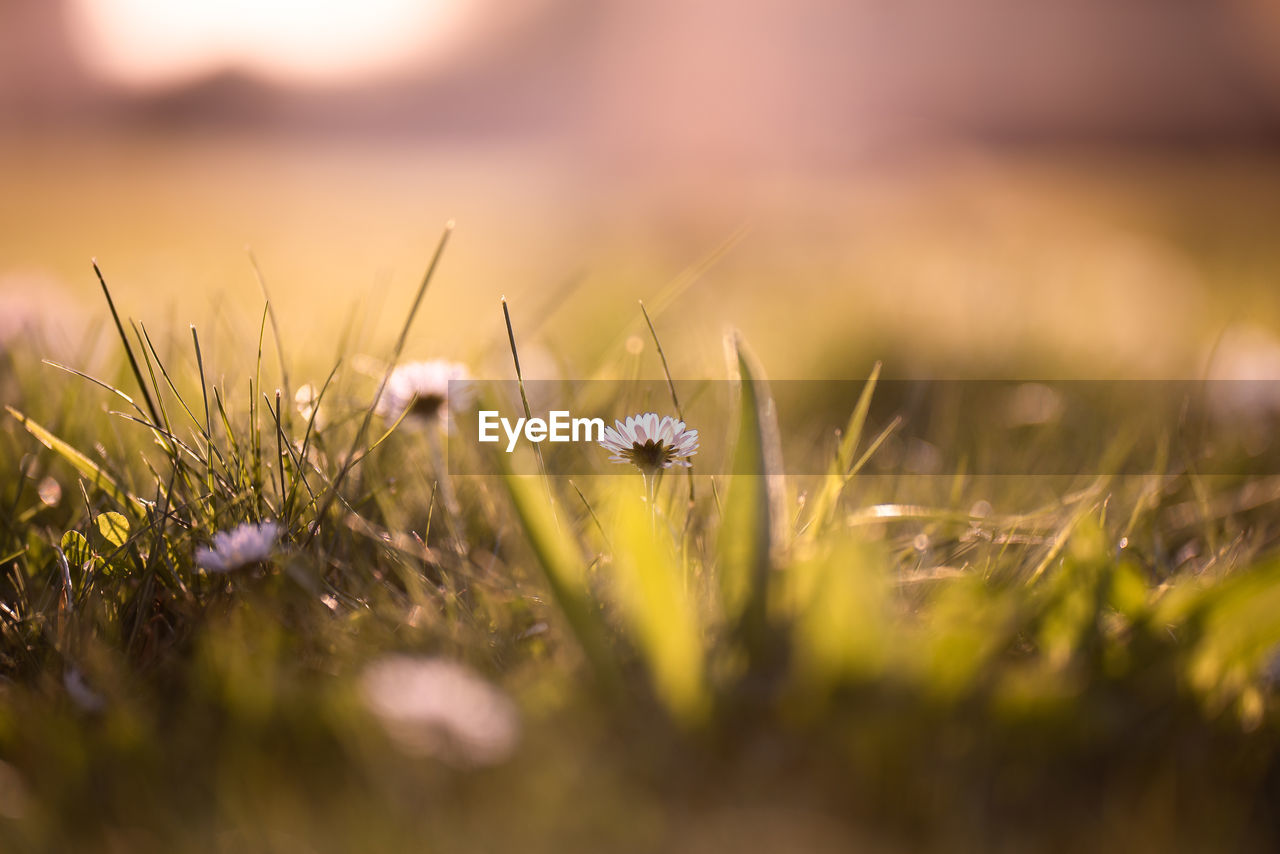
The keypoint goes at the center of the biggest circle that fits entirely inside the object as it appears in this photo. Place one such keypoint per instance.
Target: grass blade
(649, 585)
(752, 534)
(128, 349)
(79, 461)
(675, 401)
(351, 458)
(564, 570)
(844, 465)
(275, 328)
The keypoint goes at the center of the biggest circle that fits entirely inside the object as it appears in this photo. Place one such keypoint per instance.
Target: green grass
(734, 669)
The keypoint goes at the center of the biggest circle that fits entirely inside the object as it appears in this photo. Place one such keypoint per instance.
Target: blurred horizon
(814, 81)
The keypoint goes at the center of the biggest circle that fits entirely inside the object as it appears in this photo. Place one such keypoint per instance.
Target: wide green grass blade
(843, 466)
(1075, 596)
(752, 535)
(563, 568)
(839, 606)
(661, 614)
(1232, 626)
(79, 461)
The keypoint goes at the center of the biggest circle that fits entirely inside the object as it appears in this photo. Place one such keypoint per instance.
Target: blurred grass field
(1087, 264)
(803, 663)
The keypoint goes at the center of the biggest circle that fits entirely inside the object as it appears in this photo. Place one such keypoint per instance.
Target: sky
(158, 43)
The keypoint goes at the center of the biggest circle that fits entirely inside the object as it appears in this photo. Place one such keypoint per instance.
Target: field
(810, 641)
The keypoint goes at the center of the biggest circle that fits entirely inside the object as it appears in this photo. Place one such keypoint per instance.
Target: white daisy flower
(649, 443)
(241, 546)
(422, 388)
(432, 706)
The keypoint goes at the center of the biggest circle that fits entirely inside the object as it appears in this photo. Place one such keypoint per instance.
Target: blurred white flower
(436, 707)
(1032, 404)
(422, 388)
(1244, 370)
(650, 443)
(38, 314)
(241, 546)
(80, 693)
(28, 303)
(16, 319)
(1244, 386)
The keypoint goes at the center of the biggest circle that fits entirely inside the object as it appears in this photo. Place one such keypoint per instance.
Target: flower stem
(649, 489)
(651, 495)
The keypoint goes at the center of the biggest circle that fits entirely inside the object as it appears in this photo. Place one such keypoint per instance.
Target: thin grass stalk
(128, 350)
(350, 460)
(275, 330)
(524, 401)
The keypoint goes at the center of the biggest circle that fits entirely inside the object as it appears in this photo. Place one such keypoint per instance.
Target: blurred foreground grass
(764, 663)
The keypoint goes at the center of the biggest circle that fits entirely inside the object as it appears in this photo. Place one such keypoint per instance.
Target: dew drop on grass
(50, 492)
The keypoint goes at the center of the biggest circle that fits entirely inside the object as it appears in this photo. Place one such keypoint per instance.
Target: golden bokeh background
(1083, 189)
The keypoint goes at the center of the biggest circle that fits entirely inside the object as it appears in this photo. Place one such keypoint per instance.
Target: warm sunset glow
(151, 43)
